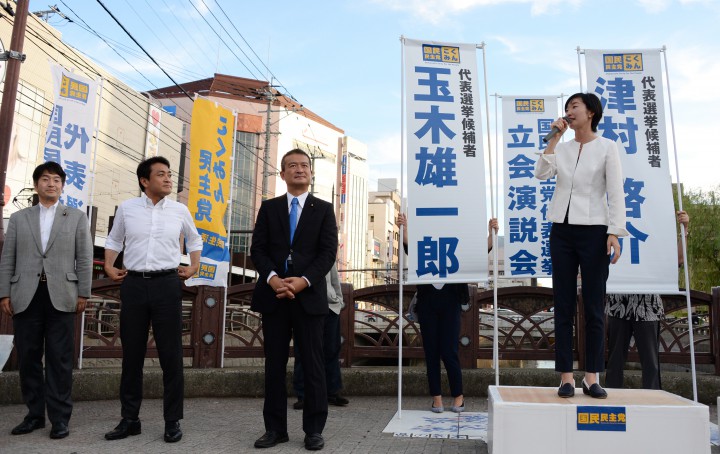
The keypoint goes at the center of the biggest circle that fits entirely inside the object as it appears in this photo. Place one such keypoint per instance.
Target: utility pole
(271, 97)
(313, 157)
(14, 57)
(266, 155)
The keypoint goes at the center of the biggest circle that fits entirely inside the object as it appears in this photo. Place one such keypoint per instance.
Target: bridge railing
(370, 326)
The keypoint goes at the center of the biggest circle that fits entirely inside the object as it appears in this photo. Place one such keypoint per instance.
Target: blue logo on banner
(601, 419)
(616, 63)
(530, 105)
(74, 89)
(207, 271)
(441, 54)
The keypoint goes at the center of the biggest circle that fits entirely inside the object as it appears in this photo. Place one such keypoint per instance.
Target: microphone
(554, 131)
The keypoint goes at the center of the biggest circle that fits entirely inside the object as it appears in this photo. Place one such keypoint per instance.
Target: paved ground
(223, 425)
(231, 425)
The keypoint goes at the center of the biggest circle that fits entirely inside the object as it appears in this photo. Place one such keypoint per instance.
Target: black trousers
(647, 339)
(42, 329)
(156, 302)
(331, 351)
(439, 317)
(290, 321)
(584, 246)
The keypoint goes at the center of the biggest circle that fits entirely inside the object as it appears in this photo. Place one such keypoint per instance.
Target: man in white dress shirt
(150, 226)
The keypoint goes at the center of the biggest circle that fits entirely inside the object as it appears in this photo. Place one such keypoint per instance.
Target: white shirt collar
(149, 203)
(301, 199)
(52, 207)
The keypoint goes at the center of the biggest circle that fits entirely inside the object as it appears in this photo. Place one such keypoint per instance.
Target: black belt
(152, 274)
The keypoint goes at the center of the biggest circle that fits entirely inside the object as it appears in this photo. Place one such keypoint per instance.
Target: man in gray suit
(45, 278)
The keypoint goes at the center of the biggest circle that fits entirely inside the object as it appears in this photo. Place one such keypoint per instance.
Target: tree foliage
(703, 242)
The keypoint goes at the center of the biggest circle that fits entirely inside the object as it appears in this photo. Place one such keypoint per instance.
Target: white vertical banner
(152, 138)
(525, 121)
(630, 86)
(71, 126)
(447, 216)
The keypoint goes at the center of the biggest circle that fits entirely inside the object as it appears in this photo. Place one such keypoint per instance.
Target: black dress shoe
(59, 430)
(125, 428)
(28, 425)
(314, 442)
(337, 400)
(172, 431)
(595, 390)
(566, 390)
(271, 438)
(299, 404)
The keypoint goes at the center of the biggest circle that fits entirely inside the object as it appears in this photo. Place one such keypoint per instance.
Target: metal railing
(370, 326)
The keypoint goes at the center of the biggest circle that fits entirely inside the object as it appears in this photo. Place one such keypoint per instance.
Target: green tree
(703, 242)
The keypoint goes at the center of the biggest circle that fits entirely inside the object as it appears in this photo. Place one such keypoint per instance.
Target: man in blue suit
(294, 245)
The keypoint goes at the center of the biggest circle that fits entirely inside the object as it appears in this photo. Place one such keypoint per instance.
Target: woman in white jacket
(588, 215)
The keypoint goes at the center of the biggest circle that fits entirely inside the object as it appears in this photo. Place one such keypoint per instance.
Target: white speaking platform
(533, 419)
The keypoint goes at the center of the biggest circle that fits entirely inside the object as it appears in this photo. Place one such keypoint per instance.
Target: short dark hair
(592, 103)
(145, 167)
(294, 151)
(50, 167)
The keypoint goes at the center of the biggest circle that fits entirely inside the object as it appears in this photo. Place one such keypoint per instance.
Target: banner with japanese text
(152, 137)
(447, 217)
(630, 87)
(211, 147)
(69, 131)
(525, 121)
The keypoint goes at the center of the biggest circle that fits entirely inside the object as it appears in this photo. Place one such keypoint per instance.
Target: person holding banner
(149, 228)
(294, 246)
(438, 310)
(45, 279)
(638, 317)
(588, 215)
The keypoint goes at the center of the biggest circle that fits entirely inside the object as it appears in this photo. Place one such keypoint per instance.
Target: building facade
(122, 138)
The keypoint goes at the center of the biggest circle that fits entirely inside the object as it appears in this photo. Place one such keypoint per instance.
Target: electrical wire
(143, 49)
(253, 51)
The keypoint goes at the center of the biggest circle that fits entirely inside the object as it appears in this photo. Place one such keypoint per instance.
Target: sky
(342, 58)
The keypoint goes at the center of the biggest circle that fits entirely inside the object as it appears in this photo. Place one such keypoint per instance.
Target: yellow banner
(211, 146)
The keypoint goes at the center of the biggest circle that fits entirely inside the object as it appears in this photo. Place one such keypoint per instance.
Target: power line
(110, 81)
(229, 36)
(221, 40)
(143, 49)
(113, 44)
(151, 29)
(253, 51)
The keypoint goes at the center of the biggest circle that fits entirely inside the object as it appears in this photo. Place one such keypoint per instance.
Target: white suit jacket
(592, 186)
(67, 260)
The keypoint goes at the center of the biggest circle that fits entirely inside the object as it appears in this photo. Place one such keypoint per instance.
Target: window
(243, 187)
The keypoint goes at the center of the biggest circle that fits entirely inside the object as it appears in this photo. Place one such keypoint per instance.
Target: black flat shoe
(299, 404)
(59, 430)
(270, 439)
(125, 428)
(595, 391)
(314, 442)
(566, 390)
(172, 431)
(337, 400)
(28, 425)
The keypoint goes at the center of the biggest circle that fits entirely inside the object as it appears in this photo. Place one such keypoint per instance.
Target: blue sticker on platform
(603, 419)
